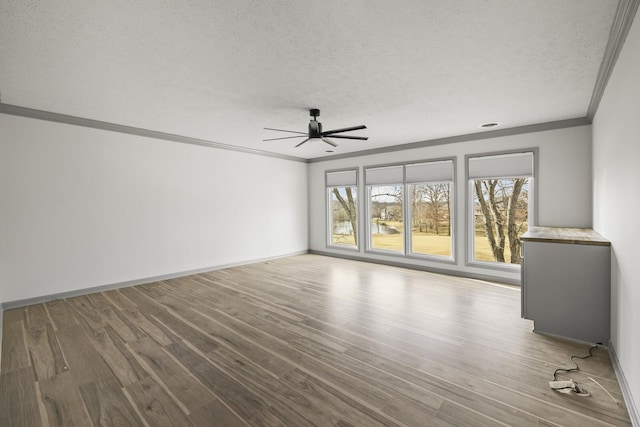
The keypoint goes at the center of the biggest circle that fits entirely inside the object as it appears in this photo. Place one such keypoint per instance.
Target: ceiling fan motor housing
(315, 129)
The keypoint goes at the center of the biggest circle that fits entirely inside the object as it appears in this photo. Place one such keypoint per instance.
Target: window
(429, 188)
(386, 216)
(385, 192)
(500, 188)
(342, 192)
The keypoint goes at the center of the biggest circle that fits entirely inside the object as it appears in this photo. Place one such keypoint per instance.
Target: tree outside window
(431, 218)
(344, 216)
(501, 214)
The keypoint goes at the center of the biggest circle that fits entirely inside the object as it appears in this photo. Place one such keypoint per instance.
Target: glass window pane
(343, 218)
(501, 214)
(386, 217)
(431, 219)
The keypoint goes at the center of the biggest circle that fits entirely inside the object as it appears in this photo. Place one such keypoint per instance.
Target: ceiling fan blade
(285, 137)
(363, 138)
(330, 132)
(333, 144)
(290, 131)
(302, 143)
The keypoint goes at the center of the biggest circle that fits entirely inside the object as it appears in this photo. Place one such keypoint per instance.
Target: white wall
(82, 207)
(564, 186)
(616, 187)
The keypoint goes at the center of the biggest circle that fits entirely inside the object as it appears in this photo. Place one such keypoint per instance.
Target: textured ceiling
(411, 71)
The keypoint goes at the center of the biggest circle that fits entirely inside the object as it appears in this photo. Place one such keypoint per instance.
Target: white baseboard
(634, 413)
(84, 291)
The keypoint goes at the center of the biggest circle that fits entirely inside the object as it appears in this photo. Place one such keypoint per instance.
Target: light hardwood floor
(306, 340)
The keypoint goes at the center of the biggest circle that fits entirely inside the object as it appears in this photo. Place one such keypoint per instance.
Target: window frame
(453, 214)
(470, 261)
(329, 214)
(406, 252)
(367, 210)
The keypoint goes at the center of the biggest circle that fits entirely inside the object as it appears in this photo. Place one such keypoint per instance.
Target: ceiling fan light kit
(315, 132)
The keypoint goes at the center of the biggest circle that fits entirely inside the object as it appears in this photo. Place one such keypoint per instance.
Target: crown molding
(538, 127)
(15, 110)
(622, 22)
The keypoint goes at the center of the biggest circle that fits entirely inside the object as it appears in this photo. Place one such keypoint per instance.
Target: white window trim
(470, 220)
(406, 251)
(452, 222)
(369, 247)
(328, 215)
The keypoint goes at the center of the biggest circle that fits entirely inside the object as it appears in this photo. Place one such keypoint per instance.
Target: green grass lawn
(483, 250)
(424, 243)
(431, 244)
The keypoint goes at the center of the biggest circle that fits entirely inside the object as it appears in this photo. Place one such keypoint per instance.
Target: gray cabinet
(566, 283)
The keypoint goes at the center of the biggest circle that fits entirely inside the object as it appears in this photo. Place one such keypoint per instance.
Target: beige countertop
(575, 236)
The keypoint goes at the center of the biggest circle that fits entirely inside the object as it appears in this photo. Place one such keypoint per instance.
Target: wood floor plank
(292, 405)
(142, 302)
(176, 377)
(14, 350)
(257, 317)
(323, 362)
(334, 403)
(83, 361)
(473, 393)
(281, 328)
(100, 301)
(107, 405)
(63, 403)
(215, 412)
(45, 351)
(112, 350)
(145, 325)
(233, 394)
(18, 400)
(506, 412)
(227, 336)
(61, 315)
(207, 282)
(410, 412)
(312, 359)
(304, 340)
(36, 317)
(457, 415)
(85, 312)
(194, 336)
(525, 380)
(384, 390)
(119, 300)
(155, 405)
(111, 316)
(14, 315)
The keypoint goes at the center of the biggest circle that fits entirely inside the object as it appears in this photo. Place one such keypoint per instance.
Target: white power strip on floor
(568, 387)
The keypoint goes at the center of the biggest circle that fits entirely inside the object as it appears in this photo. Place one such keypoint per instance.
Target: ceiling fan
(315, 132)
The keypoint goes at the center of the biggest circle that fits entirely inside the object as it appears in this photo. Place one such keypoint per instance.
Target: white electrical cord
(605, 390)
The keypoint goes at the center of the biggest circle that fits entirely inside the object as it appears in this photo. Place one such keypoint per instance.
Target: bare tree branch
(349, 207)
